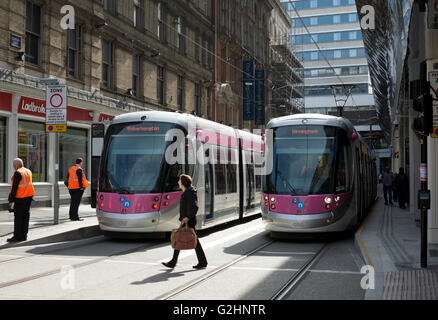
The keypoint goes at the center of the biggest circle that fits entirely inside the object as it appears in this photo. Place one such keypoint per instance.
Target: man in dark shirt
(76, 186)
(21, 194)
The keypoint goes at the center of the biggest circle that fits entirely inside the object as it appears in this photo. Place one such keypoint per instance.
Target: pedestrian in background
(394, 189)
(402, 185)
(188, 208)
(76, 187)
(21, 195)
(387, 186)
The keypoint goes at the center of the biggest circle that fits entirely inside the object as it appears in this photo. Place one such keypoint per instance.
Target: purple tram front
(310, 187)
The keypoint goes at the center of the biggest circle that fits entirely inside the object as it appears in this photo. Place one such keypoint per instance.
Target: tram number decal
(298, 203)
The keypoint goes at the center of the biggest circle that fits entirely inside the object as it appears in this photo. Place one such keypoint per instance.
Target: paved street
(100, 268)
(42, 216)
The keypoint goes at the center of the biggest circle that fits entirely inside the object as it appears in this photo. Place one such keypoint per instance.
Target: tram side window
(231, 174)
(343, 179)
(220, 175)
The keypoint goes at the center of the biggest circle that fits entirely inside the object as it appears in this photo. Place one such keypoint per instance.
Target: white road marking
(188, 253)
(287, 253)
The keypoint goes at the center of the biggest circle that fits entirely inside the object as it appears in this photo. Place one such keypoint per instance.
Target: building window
(161, 25)
(180, 93)
(197, 46)
(210, 54)
(138, 17)
(181, 42)
(32, 148)
(207, 7)
(223, 64)
(2, 150)
(74, 42)
(160, 85)
(208, 103)
(135, 75)
(109, 5)
(33, 32)
(197, 99)
(107, 63)
(223, 10)
(72, 144)
(203, 52)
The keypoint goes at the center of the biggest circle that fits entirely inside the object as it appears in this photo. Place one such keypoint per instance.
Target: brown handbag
(183, 238)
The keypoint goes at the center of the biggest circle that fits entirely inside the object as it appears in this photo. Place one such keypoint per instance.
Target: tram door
(209, 191)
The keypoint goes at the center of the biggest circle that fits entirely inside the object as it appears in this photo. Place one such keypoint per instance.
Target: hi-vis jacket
(25, 187)
(73, 181)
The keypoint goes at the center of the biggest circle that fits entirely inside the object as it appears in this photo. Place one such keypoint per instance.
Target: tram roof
(313, 119)
(183, 120)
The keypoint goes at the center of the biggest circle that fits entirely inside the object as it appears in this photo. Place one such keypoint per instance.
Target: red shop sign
(6, 101)
(103, 117)
(37, 108)
(34, 107)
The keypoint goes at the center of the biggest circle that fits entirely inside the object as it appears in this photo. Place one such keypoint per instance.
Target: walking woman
(187, 214)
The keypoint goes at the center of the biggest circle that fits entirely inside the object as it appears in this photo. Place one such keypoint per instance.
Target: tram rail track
(279, 295)
(195, 282)
(293, 282)
(75, 266)
(74, 246)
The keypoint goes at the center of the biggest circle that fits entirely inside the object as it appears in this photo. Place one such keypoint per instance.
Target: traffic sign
(56, 128)
(56, 106)
(433, 79)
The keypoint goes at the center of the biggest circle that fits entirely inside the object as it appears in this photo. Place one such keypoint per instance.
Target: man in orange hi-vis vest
(76, 186)
(21, 194)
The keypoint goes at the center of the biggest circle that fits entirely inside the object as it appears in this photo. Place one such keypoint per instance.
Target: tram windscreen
(303, 160)
(134, 158)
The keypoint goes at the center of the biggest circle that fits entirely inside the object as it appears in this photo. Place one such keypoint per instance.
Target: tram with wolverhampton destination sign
(323, 176)
(143, 156)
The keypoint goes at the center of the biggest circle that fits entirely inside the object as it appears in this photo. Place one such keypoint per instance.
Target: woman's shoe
(168, 264)
(200, 266)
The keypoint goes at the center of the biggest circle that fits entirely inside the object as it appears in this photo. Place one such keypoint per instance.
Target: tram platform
(43, 230)
(390, 241)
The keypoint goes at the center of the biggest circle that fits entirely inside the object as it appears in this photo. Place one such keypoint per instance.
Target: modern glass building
(329, 34)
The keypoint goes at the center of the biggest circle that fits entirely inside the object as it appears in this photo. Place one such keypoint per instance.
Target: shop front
(22, 134)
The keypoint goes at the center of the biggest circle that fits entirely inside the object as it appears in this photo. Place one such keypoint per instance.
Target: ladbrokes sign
(33, 107)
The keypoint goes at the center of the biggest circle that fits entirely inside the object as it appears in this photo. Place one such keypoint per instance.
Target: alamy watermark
(68, 280)
(218, 147)
(68, 20)
(368, 281)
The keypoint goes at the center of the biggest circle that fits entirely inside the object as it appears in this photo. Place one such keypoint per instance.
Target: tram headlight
(272, 199)
(273, 206)
(328, 200)
(337, 198)
(156, 198)
(266, 198)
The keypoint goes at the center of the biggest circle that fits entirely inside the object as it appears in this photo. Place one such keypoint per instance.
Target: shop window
(73, 144)
(2, 150)
(32, 148)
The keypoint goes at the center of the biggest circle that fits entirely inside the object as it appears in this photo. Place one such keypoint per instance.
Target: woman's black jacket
(188, 206)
